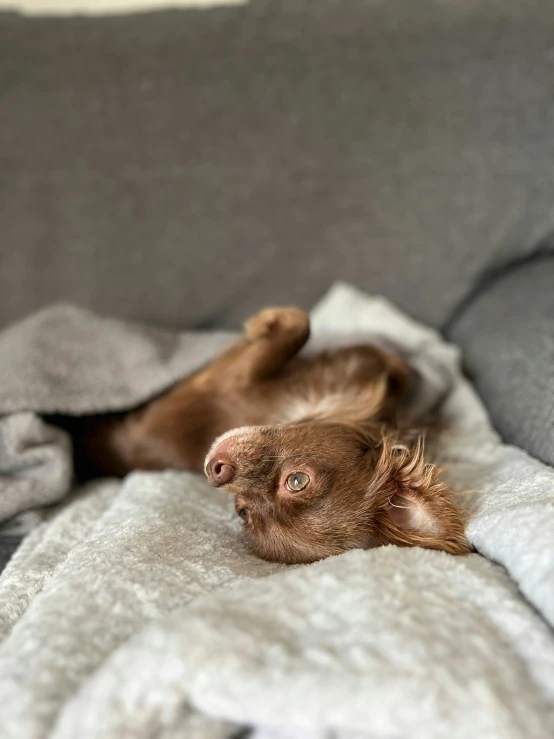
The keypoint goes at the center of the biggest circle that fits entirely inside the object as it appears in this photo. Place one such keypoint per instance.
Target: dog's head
(310, 490)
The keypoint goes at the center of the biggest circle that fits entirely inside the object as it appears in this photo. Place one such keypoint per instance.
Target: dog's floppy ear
(414, 507)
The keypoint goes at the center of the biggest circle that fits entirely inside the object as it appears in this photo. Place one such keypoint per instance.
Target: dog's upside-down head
(309, 490)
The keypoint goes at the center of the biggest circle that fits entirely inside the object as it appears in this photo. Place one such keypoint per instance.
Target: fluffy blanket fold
(134, 610)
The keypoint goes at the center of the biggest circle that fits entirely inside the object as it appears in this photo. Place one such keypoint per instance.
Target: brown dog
(311, 446)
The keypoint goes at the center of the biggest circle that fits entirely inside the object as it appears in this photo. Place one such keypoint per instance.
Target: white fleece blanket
(135, 611)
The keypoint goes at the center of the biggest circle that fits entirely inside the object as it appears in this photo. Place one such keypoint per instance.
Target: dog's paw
(274, 322)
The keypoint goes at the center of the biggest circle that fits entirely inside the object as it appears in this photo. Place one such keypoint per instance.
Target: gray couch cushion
(199, 164)
(507, 336)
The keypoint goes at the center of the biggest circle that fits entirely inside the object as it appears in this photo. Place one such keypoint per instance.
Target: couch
(183, 168)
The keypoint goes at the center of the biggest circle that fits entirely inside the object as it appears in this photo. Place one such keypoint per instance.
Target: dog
(318, 450)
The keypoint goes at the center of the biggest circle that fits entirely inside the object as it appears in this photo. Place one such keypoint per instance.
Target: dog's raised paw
(273, 322)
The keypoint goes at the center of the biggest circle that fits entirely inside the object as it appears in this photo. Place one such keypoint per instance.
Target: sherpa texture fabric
(67, 360)
(135, 610)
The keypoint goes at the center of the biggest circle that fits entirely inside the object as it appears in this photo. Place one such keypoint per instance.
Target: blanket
(133, 609)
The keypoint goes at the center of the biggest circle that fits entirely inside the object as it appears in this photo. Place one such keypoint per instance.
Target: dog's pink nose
(219, 471)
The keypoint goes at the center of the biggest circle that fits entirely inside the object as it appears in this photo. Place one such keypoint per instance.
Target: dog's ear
(414, 507)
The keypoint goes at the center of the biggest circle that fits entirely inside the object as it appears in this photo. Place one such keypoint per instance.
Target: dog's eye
(297, 481)
(244, 513)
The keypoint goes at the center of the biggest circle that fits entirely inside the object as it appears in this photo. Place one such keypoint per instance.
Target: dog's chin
(288, 553)
(304, 554)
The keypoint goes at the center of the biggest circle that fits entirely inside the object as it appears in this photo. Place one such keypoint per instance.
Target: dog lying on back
(312, 447)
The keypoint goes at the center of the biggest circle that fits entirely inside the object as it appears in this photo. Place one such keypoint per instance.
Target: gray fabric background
(507, 333)
(184, 168)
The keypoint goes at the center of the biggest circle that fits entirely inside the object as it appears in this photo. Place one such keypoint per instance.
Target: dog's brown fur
(333, 416)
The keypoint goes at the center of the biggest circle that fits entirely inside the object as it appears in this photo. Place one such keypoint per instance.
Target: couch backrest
(187, 167)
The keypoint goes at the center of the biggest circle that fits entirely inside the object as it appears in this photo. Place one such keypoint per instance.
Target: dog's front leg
(273, 337)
